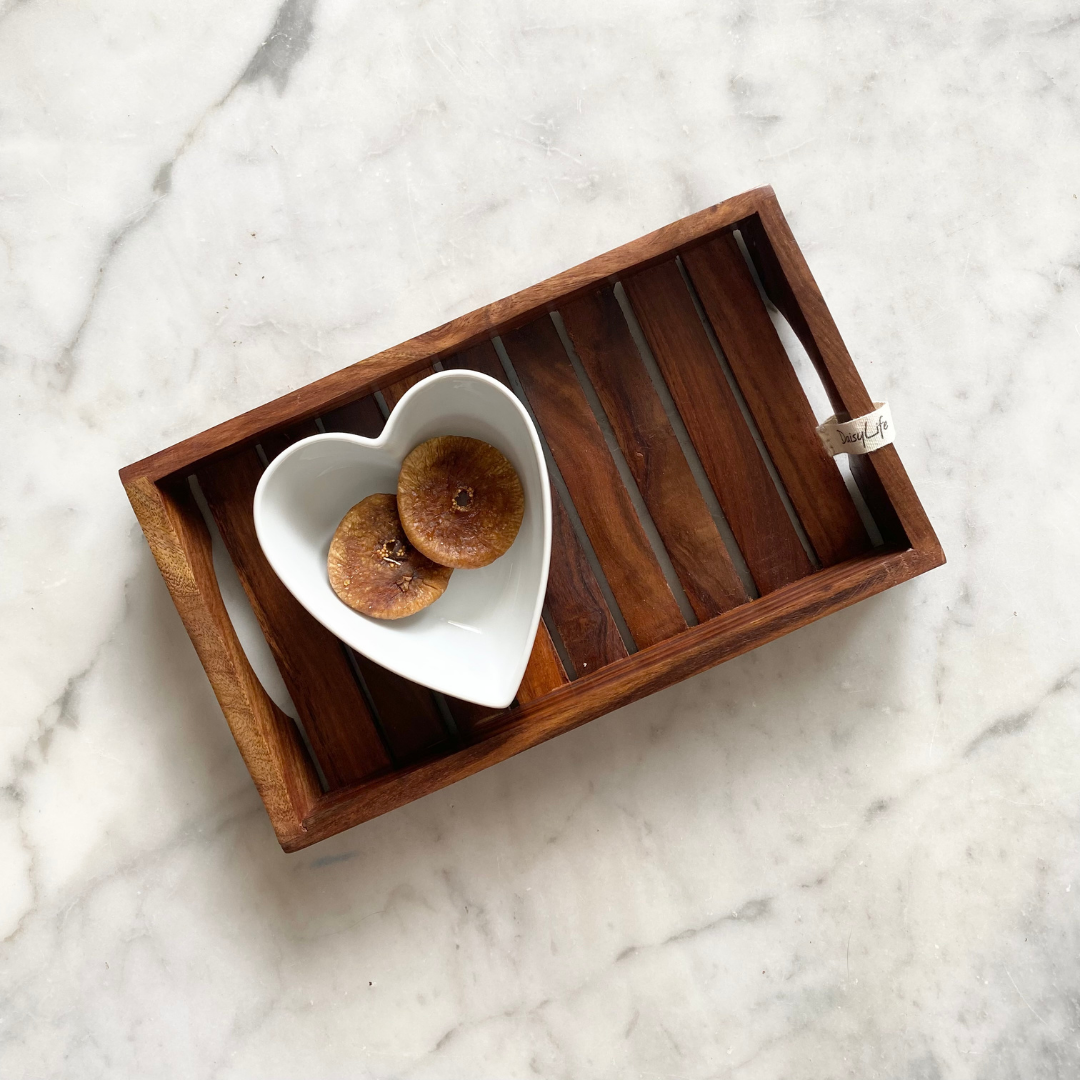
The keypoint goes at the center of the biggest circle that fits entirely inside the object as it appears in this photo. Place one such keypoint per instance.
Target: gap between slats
(633, 490)
(770, 389)
(686, 444)
(536, 354)
(621, 392)
(583, 620)
(750, 420)
(730, 455)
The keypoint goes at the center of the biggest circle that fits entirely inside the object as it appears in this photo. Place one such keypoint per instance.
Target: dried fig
(375, 570)
(460, 501)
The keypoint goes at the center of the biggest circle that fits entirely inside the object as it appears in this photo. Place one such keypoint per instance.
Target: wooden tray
(615, 627)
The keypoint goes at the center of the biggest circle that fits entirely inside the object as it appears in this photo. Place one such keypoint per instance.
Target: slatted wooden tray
(695, 513)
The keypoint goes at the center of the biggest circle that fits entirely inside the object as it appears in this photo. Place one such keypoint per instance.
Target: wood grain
(402, 360)
(769, 543)
(313, 666)
(775, 399)
(609, 356)
(881, 475)
(575, 602)
(780, 292)
(603, 504)
(268, 740)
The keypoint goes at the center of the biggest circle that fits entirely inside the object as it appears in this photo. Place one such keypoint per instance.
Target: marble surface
(852, 853)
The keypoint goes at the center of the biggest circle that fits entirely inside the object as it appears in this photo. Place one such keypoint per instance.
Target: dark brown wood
(313, 666)
(575, 601)
(603, 504)
(281, 440)
(547, 703)
(735, 632)
(602, 341)
(402, 360)
(769, 543)
(361, 417)
(469, 717)
(407, 712)
(775, 399)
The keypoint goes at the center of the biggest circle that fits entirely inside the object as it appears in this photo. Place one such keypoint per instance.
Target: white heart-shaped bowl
(474, 641)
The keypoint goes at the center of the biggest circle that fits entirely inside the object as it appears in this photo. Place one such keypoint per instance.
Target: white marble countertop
(851, 853)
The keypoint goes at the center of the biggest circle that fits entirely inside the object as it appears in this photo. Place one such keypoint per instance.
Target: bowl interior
(474, 641)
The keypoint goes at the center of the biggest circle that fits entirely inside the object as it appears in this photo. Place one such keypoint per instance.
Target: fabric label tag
(858, 436)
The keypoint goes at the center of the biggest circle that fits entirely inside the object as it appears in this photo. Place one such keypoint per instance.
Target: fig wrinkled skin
(375, 570)
(460, 500)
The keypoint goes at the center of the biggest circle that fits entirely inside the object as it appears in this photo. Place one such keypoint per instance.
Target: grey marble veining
(853, 852)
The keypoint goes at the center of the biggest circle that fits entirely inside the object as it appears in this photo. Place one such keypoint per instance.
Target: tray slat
(764, 532)
(777, 402)
(602, 340)
(575, 603)
(313, 666)
(602, 502)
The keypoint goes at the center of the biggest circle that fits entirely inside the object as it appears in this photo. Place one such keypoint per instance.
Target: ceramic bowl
(474, 641)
